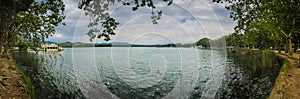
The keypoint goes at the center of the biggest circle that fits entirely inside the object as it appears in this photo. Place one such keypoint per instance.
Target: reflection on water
(249, 74)
(49, 75)
(140, 73)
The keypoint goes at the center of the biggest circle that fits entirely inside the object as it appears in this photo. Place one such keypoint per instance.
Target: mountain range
(117, 44)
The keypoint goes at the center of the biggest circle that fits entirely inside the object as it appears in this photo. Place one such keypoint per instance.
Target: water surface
(136, 73)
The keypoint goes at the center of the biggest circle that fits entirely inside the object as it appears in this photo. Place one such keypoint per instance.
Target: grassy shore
(13, 83)
(287, 84)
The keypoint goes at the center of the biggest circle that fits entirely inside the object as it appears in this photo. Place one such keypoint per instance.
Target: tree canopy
(103, 25)
(204, 42)
(29, 22)
(267, 20)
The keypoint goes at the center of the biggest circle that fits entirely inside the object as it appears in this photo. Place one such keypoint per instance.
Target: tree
(101, 19)
(8, 10)
(283, 13)
(29, 22)
(235, 39)
(279, 15)
(38, 22)
(260, 35)
(204, 42)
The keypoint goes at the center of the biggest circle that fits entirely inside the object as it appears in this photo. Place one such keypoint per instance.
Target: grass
(284, 68)
(29, 87)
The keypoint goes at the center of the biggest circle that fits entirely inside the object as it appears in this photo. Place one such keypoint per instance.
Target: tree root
(3, 83)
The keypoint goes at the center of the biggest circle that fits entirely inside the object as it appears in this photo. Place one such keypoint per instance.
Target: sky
(185, 21)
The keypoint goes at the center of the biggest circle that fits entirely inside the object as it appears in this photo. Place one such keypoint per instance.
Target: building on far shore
(51, 47)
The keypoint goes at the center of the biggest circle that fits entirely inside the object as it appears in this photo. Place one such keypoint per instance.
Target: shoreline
(287, 85)
(13, 83)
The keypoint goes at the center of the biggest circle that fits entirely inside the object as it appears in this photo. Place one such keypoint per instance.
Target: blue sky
(185, 21)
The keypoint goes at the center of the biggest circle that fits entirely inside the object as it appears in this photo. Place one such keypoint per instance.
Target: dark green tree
(235, 40)
(8, 10)
(38, 22)
(204, 42)
(28, 22)
(279, 15)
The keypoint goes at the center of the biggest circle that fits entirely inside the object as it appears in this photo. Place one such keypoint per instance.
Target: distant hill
(113, 43)
(118, 44)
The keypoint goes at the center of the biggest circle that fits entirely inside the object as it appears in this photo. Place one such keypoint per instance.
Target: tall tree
(8, 10)
(29, 21)
(281, 14)
(38, 22)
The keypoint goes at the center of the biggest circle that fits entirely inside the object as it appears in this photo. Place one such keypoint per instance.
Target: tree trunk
(5, 45)
(4, 53)
(1, 43)
(289, 46)
(0, 47)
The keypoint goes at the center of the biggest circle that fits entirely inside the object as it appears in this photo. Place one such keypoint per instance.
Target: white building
(51, 47)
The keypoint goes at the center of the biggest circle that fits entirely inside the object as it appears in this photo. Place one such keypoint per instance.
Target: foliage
(28, 21)
(38, 22)
(22, 46)
(8, 9)
(102, 24)
(29, 86)
(259, 40)
(272, 20)
(234, 40)
(43, 80)
(204, 42)
(253, 74)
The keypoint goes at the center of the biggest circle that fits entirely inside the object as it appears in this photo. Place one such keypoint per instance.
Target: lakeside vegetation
(264, 24)
(41, 83)
(253, 74)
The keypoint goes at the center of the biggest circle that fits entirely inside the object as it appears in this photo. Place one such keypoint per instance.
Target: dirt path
(287, 84)
(12, 86)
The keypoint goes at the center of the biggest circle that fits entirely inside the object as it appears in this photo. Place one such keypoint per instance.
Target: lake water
(136, 73)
